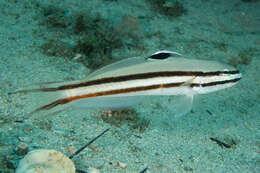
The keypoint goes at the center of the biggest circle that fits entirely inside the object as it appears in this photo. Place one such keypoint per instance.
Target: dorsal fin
(164, 54)
(117, 65)
(160, 55)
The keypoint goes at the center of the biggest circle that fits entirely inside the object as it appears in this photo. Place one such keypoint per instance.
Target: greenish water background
(39, 41)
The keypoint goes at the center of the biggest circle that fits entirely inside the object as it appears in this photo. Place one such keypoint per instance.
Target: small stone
(93, 148)
(188, 169)
(71, 149)
(121, 165)
(77, 56)
(21, 149)
(93, 170)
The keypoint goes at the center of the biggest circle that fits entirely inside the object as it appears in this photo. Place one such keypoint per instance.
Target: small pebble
(187, 169)
(71, 149)
(93, 170)
(77, 56)
(21, 149)
(93, 148)
(121, 165)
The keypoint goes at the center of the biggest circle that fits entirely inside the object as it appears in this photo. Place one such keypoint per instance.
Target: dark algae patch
(57, 48)
(244, 57)
(54, 17)
(80, 25)
(96, 40)
(91, 36)
(168, 8)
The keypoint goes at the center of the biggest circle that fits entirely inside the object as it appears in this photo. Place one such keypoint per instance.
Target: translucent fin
(44, 86)
(40, 95)
(184, 105)
(47, 99)
(111, 103)
(129, 62)
(117, 65)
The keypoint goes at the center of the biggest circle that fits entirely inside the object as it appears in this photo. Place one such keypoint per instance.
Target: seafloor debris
(121, 165)
(126, 116)
(86, 145)
(227, 144)
(144, 170)
(48, 160)
(21, 149)
(45, 161)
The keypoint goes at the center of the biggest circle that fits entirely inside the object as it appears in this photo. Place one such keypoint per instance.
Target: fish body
(123, 83)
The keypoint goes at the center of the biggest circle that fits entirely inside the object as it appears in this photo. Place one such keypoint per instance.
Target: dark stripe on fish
(215, 83)
(129, 90)
(106, 93)
(136, 77)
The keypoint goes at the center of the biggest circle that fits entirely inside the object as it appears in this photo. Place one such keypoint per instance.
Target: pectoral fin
(183, 105)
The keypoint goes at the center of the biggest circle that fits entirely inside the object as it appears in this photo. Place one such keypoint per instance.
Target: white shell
(45, 161)
(121, 165)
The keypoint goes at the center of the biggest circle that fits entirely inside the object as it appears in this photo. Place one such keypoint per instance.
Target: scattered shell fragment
(93, 170)
(77, 56)
(71, 149)
(45, 161)
(93, 148)
(121, 165)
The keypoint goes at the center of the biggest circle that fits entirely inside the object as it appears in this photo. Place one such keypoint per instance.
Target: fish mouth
(240, 75)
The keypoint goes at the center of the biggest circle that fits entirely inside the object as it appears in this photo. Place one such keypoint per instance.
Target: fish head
(215, 76)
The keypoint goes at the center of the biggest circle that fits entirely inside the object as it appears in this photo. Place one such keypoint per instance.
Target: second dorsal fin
(164, 54)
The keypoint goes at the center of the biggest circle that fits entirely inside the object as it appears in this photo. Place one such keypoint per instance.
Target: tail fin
(44, 97)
